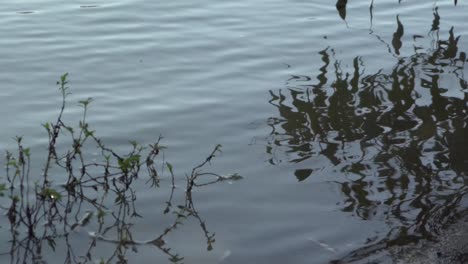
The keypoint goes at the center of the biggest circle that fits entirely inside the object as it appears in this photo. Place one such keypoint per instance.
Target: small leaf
(51, 193)
(46, 126)
(26, 151)
(89, 133)
(63, 78)
(2, 189)
(86, 102)
(70, 129)
(169, 167)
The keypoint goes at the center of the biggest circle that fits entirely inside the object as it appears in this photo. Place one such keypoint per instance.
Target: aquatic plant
(98, 191)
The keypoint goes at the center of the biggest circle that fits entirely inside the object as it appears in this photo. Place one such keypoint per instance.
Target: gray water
(349, 126)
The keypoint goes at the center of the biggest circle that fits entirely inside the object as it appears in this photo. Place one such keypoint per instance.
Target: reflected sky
(364, 135)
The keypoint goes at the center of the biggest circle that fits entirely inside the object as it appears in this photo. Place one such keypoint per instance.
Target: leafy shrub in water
(102, 190)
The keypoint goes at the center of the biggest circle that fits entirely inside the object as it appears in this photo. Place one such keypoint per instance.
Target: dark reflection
(397, 139)
(303, 174)
(436, 21)
(341, 7)
(396, 40)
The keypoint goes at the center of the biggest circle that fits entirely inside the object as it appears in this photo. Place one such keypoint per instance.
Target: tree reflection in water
(397, 138)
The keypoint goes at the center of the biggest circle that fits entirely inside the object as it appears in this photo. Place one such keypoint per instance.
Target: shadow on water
(396, 139)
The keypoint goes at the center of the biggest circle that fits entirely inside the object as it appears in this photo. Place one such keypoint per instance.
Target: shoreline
(450, 247)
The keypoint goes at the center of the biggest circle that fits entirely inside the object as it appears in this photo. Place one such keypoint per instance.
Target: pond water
(349, 125)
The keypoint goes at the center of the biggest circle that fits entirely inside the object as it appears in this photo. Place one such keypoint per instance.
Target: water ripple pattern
(348, 120)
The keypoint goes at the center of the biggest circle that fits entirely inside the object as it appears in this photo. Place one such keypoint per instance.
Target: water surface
(348, 125)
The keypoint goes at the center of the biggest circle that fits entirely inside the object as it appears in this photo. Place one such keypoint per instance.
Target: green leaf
(51, 193)
(2, 189)
(69, 128)
(86, 102)
(63, 78)
(46, 126)
(169, 167)
(26, 151)
(89, 133)
(129, 162)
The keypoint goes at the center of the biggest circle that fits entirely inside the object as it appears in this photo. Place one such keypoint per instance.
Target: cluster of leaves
(41, 211)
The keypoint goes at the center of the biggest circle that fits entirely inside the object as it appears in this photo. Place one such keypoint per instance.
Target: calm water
(349, 126)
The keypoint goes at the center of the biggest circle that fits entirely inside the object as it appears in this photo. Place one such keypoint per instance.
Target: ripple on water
(349, 133)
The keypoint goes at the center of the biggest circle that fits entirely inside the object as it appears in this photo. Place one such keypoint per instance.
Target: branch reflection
(398, 139)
